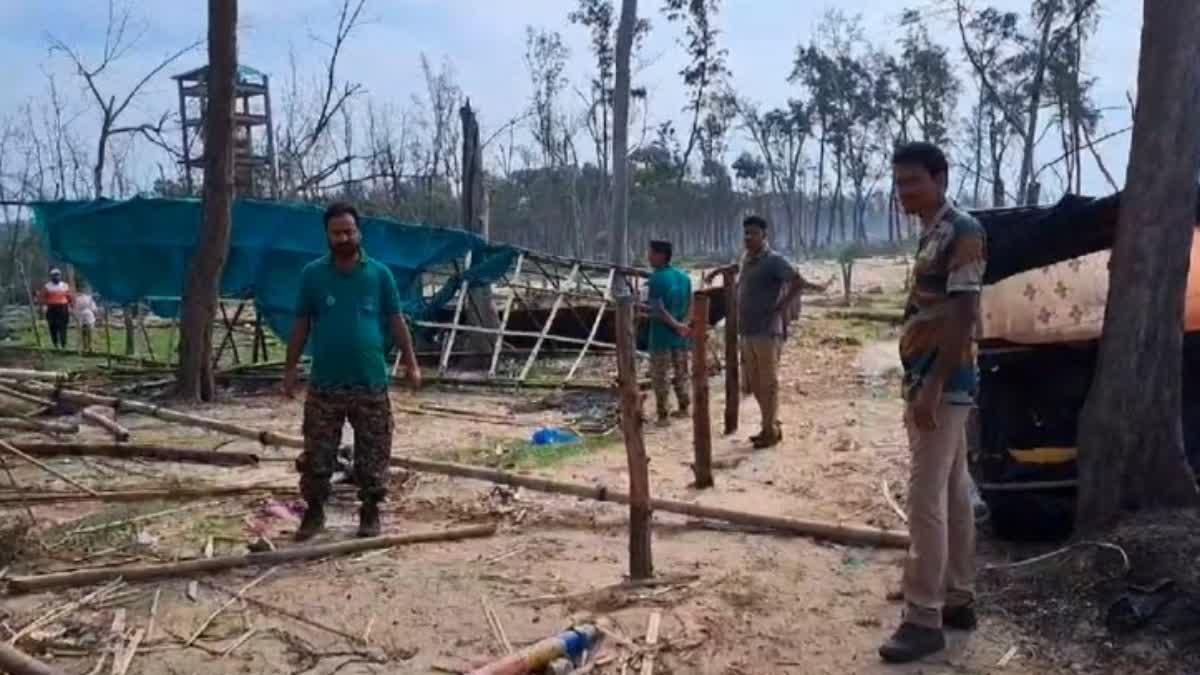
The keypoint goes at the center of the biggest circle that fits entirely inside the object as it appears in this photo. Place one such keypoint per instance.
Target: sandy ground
(748, 603)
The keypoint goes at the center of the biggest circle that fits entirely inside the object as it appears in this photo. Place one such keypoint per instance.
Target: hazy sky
(484, 39)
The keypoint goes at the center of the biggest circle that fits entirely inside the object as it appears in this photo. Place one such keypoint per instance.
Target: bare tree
(704, 72)
(195, 372)
(1130, 433)
(117, 43)
(305, 139)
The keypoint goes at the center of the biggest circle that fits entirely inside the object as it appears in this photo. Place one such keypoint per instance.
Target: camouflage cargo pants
(663, 365)
(370, 415)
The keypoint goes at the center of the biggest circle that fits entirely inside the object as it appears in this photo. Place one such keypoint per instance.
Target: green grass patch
(520, 454)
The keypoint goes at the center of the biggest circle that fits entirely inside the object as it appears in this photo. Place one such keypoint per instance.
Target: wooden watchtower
(254, 138)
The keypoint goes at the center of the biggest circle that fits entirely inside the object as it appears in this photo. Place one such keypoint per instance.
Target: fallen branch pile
(836, 532)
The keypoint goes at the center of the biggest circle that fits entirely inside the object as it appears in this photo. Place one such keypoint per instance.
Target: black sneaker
(312, 523)
(911, 642)
(959, 618)
(368, 520)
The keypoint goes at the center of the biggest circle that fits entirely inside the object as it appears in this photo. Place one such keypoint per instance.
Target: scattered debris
(569, 644)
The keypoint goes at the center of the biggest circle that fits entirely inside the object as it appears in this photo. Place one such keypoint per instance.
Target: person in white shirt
(85, 314)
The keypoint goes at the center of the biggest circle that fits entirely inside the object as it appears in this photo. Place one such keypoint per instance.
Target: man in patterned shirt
(937, 350)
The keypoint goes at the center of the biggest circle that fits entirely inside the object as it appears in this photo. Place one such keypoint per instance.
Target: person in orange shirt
(56, 296)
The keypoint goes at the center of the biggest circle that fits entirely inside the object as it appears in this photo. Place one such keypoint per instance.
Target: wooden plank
(595, 326)
(558, 301)
(508, 305)
(15, 662)
(701, 424)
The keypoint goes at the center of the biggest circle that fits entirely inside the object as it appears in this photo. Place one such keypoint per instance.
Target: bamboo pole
(514, 333)
(463, 292)
(25, 374)
(7, 447)
(558, 301)
(15, 662)
(120, 433)
(107, 337)
(837, 532)
(131, 573)
(701, 424)
(146, 335)
(595, 326)
(130, 451)
(28, 398)
(508, 305)
(228, 338)
(126, 496)
(21, 424)
(733, 383)
(123, 405)
(641, 564)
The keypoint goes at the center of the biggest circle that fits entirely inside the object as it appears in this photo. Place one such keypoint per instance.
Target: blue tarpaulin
(140, 249)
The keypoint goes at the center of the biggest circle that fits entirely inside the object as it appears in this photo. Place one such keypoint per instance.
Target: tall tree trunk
(1131, 452)
(195, 374)
(816, 238)
(480, 309)
(640, 564)
(1035, 106)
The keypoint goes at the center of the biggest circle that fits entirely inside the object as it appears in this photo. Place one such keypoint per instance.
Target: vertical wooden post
(701, 424)
(107, 337)
(733, 382)
(641, 564)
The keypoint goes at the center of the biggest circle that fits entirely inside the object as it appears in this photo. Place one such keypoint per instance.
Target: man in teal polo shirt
(350, 306)
(670, 298)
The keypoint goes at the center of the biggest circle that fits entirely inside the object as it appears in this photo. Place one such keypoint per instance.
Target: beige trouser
(940, 567)
(760, 366)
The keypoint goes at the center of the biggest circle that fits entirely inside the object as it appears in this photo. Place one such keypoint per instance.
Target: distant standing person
(937, 351)
(768, 286)
(55, 296)
(670, 299)
(85, 314)
(350, 306)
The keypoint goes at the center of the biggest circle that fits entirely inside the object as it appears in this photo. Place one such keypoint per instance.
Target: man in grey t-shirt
(768, 286)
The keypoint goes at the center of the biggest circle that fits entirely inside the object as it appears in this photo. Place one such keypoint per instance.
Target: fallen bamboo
(144, 495)
(130, 573)
(22, 396)
(129, 451)
(837, 532)
(22, 424)
(120, 433)
(166, 414)
(8, 447)
(26, 374)
(15, 662)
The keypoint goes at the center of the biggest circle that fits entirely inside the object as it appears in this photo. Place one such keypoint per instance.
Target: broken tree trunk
(836, 532)
(127, 451)
(15, 662)
(640, 561)
(42, 582)
(120, 433)
(701, 424)
(733, 383)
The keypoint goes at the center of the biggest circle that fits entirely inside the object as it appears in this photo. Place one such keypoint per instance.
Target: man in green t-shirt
(350, 306)
(670, 298)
